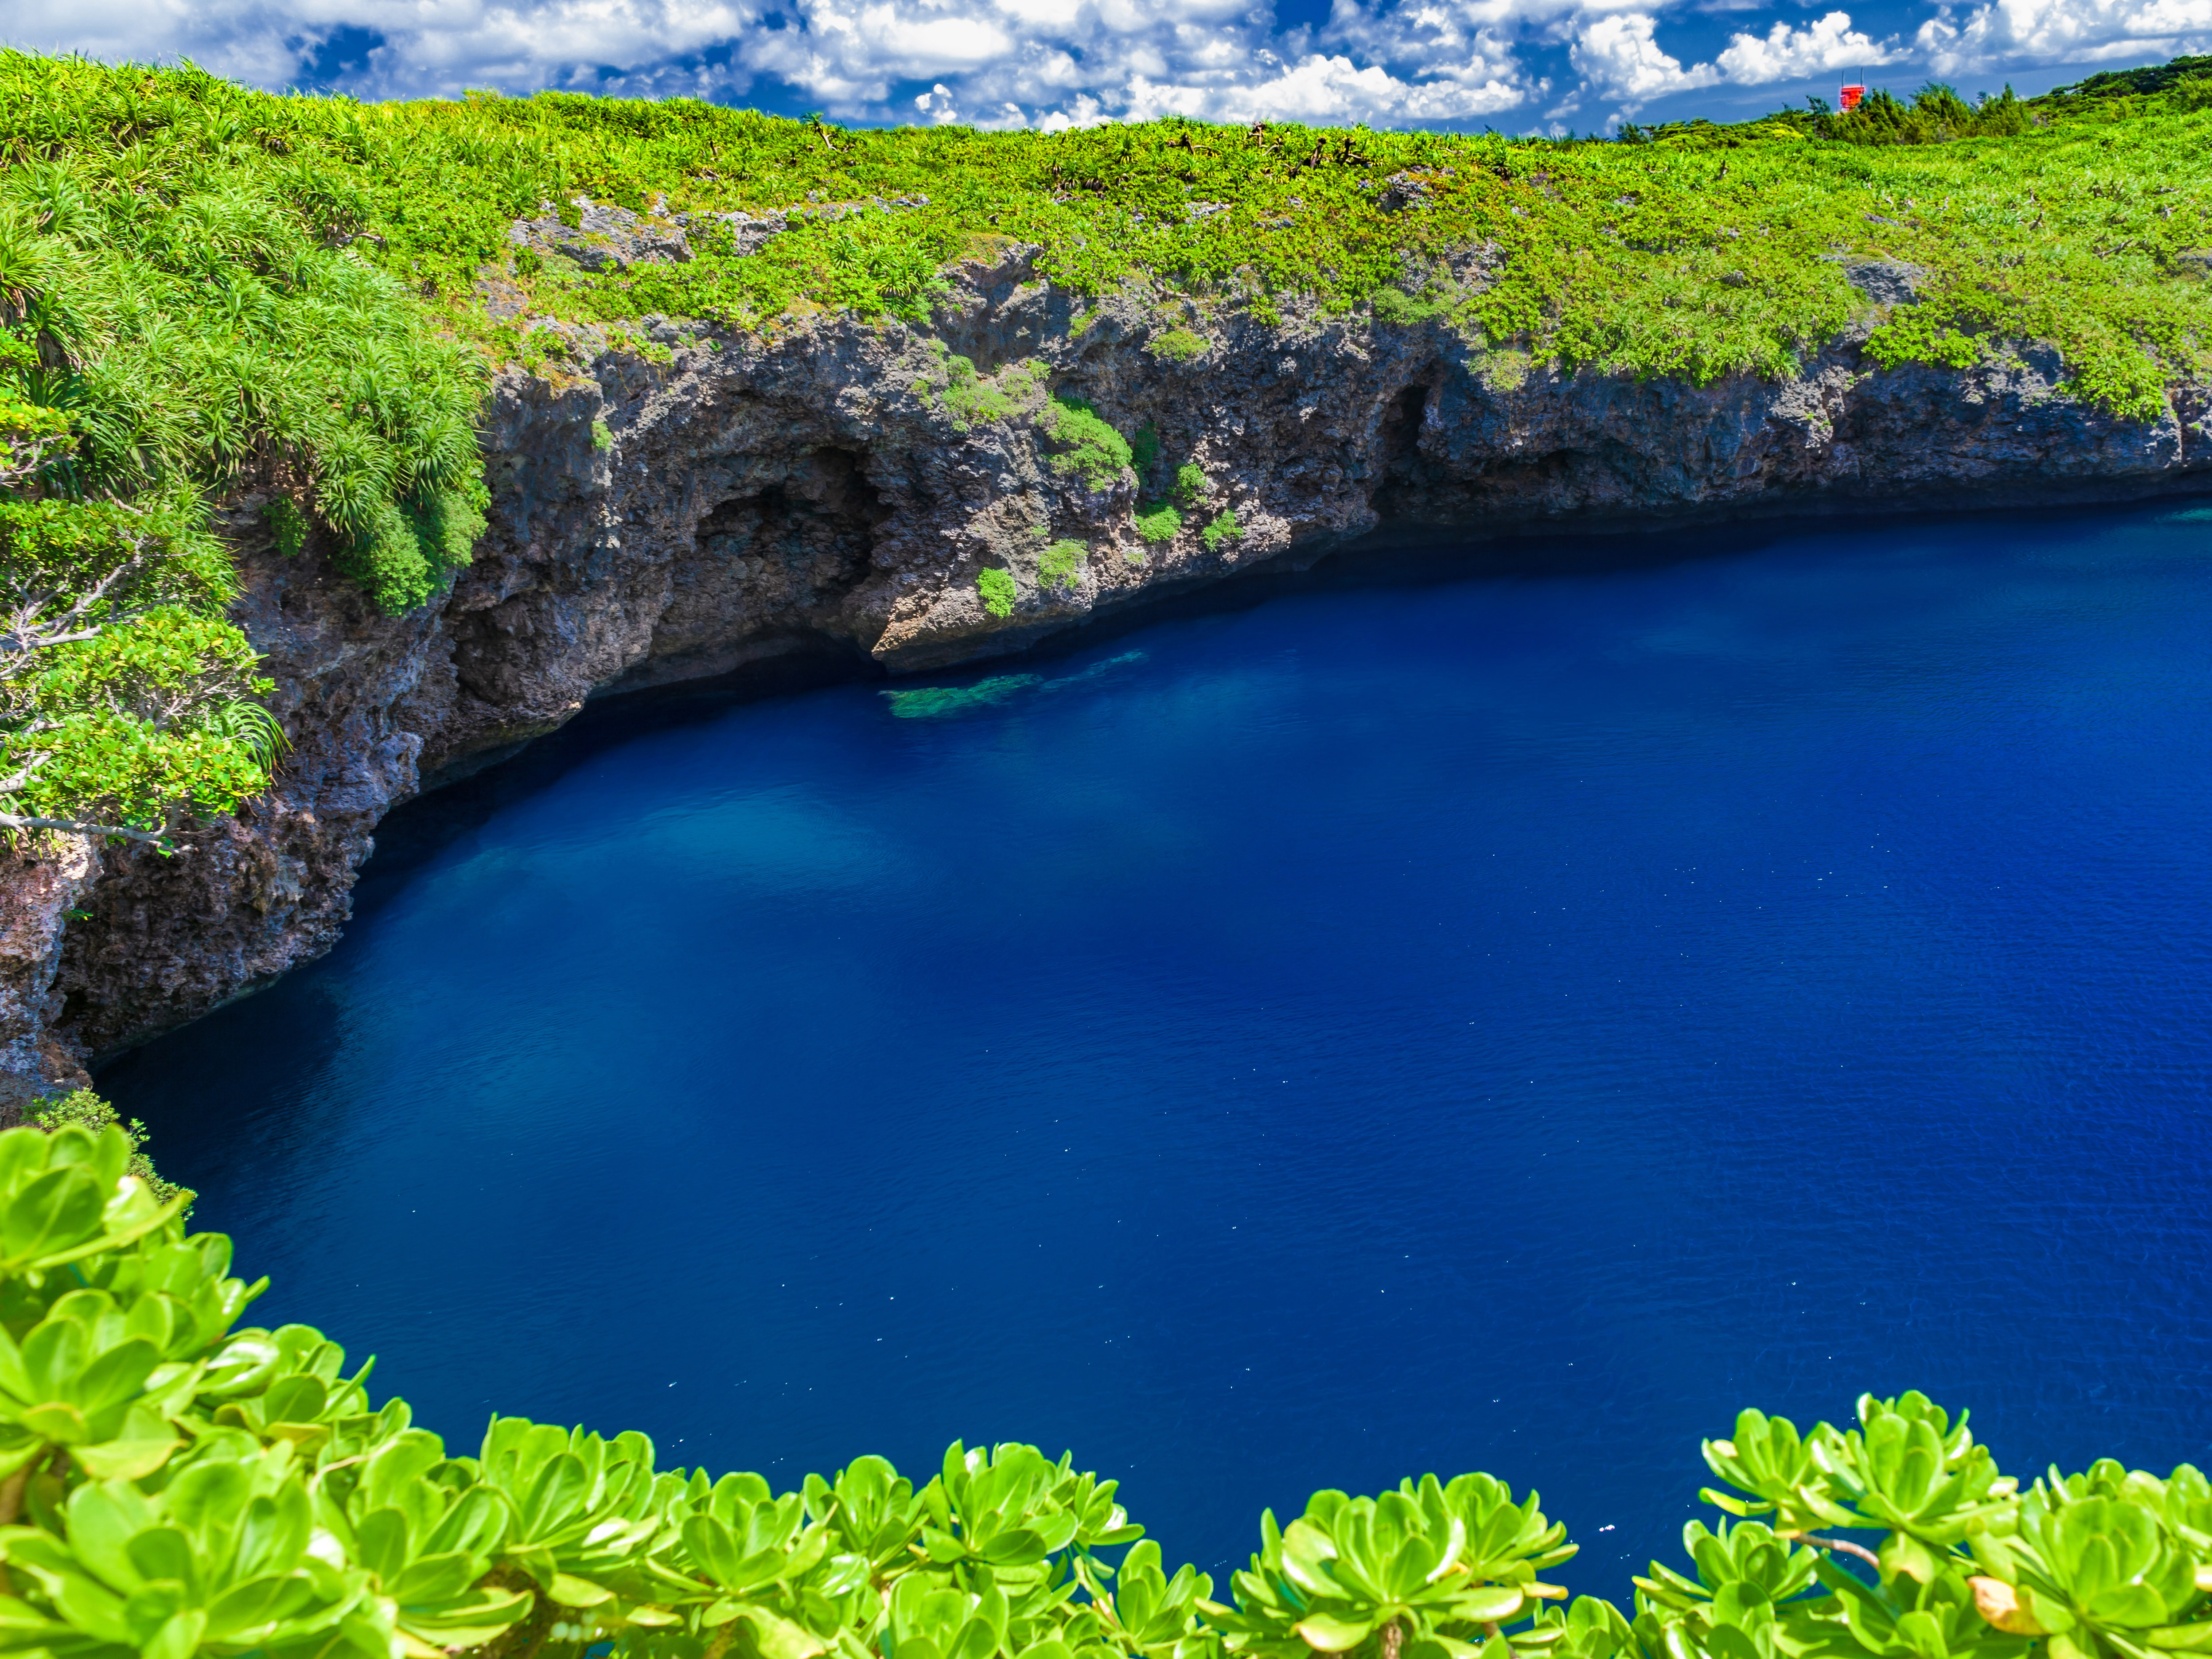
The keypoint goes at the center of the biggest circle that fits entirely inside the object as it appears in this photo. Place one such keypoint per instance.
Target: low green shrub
(1191, 484)
(1178, 345)
(1393, 305)
(1159, 521)
(287, 525)
(1223, 528)
(1061, 565)
(1091, 450)
(1144, 450)
(999, 592)
(973, 400)
(180, 1486)
(83, 1109)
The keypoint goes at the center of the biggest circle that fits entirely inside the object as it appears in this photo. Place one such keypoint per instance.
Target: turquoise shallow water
(1500, 1022)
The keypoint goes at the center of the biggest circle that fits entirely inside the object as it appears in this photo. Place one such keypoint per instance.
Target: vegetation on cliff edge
(210, 291)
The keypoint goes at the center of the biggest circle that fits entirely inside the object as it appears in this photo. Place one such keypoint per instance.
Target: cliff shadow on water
(1397, 556)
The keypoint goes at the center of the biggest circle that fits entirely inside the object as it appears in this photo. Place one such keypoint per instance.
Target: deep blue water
(1507, 1022)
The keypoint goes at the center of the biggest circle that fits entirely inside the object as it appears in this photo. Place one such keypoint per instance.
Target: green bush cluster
(1710, 251)
(1162, 520)
(174, 1484)
(1159, 521)
(1223, 528)
(1660, 257)
(1061, 564)
(1935, 114)
(974, 399)
(180, 315)
(193, 298)
(998, 589)
(83, 1109)
(1090, 449)
(128, 690)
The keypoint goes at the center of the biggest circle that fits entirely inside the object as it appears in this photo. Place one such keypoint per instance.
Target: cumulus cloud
(995, 62)
(2006, 34)
(1057, 64)
(405, 45)
(1620, 56)
(1784, 53)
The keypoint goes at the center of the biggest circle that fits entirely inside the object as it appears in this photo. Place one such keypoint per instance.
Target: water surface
(1496, 1023)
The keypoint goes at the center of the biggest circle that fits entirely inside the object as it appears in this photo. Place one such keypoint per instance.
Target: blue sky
(1516, 65)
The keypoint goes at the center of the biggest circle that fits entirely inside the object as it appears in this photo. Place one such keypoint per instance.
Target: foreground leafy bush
(173, 1484)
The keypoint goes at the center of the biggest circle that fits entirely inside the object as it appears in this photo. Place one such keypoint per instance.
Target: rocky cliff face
(675, 508)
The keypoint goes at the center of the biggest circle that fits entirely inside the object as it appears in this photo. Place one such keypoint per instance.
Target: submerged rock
(936, 702)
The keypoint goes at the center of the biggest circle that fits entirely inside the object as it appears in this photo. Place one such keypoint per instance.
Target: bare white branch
(79, 827)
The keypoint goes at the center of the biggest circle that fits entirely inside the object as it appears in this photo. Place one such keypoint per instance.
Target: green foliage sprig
(87, 1110)
(998, 589)
(1159, 521)
(1061, 564)
(1090, 449)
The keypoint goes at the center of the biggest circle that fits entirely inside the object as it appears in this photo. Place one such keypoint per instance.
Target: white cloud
(2005, 33)
(438, 47)
(1620, 56)
(992, 62)
(1324, 90)
(1791, 54)
(1056, 64)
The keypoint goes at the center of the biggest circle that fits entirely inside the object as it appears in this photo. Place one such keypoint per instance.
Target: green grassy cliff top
(1712, 250)
(205, 289)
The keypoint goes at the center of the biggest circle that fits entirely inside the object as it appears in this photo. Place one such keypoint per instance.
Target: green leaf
(1326, 1633)
(1493, 1605)
(62, 1424)
(570, 1591)
(1902, 1553)
(777, 1638)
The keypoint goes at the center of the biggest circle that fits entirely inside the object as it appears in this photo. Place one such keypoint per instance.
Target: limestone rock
(836, 487)
(606, 238)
